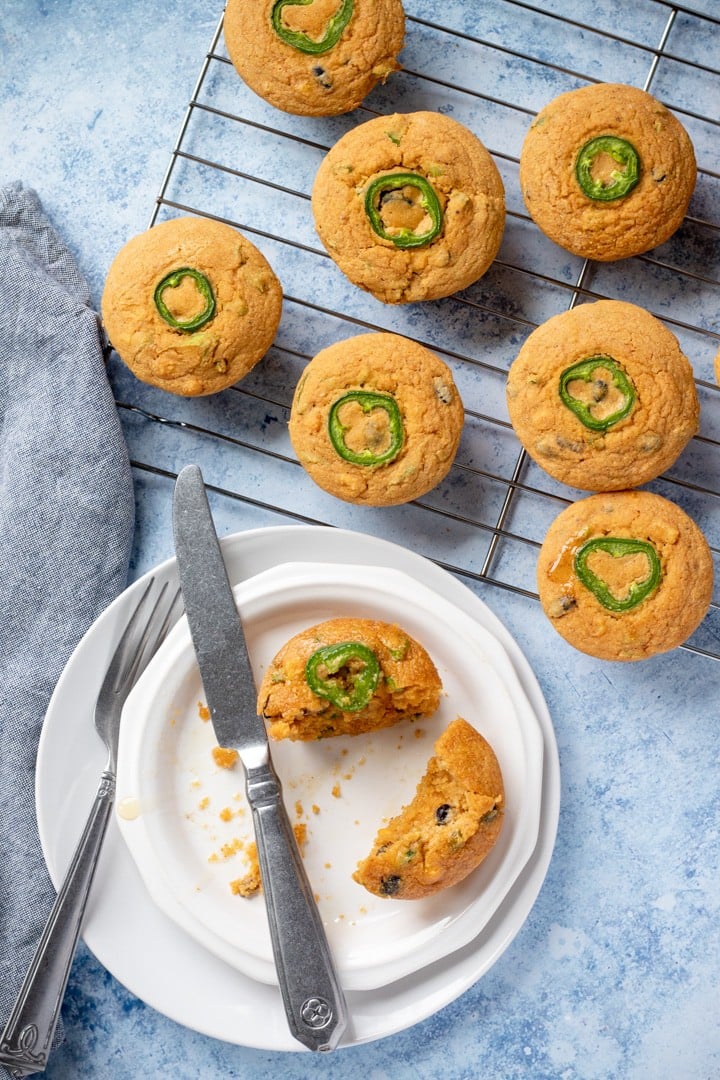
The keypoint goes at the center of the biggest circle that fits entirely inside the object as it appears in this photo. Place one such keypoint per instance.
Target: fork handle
(25, 1043)
(312, 995)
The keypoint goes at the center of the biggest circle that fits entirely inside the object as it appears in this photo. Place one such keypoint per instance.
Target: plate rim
(443, 982)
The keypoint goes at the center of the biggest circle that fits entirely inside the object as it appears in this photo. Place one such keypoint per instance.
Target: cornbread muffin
(410, 207)
(376, 419)
(346, 676)
(607, 171)
(191, 306)
(602, 397)
(717, 366)
(625, 575)
(314, 57)
(448, 828)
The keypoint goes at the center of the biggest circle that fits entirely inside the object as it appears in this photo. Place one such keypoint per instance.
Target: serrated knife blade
(311, 991)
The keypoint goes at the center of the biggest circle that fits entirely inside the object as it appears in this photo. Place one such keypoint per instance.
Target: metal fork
(26, 1041)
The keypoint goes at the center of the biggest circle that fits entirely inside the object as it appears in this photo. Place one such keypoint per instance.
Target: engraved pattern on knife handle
(313, 998)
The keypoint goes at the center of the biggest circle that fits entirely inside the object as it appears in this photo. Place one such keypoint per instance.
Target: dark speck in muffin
(390, 886)
(322, 77)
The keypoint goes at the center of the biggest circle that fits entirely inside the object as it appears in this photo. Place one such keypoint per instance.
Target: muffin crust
(376, 419)
(196, 347)
(299, 69)
(605, 228)
(625, 575)
(434, 152)
(602, 397)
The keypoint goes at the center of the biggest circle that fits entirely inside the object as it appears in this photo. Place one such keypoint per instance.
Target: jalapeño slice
(384, 188)
(368, 402)
(585, 371)
(171, 281)
(621, 180)
(617, 546)
(346, 674)
(302, 42)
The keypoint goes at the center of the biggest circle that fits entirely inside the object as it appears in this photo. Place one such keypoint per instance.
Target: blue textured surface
(615, 973)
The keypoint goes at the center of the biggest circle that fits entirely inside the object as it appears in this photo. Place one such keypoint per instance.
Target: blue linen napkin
(66, 527)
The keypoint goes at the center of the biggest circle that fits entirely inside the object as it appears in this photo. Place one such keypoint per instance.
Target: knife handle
(311, 991)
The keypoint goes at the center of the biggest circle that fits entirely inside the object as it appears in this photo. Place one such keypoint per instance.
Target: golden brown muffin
(602, 397)
(717, 367)
(410, 207)
(449, 827)
(314, 57)
(607, 171)
(191, 306)
(347, 676)
(376, 419)
(625, 575)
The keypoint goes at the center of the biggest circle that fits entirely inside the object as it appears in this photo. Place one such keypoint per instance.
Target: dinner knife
(310, 987)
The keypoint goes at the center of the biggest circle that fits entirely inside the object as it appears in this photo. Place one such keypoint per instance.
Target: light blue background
(615, 973)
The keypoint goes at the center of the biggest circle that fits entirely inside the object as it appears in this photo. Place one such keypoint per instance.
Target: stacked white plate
(163, 917)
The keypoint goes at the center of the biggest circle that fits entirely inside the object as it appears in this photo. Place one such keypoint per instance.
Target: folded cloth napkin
(66, 526)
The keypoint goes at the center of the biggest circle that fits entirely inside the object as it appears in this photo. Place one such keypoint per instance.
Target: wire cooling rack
(491, 66)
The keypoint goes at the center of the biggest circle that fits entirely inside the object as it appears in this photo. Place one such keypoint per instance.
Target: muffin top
(410, 207)
(191, 305)
(345, 676)
(602, 397)
(376, 419)
(607, 171)
(314, 57)
(625, 575)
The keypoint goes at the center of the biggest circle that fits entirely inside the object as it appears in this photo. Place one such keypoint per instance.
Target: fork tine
(140, 638)
(126, 648)
(131, 672)
(153, 636)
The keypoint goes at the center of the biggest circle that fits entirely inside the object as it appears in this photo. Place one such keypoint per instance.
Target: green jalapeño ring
(171, 281)
(618, 546)
(368, 401)
(585, 371)
(357, 667)
(300, 41)
(622, 180)
(403, 238)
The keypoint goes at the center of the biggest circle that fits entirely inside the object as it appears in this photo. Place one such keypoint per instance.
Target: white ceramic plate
(188, 825)
(144, 949)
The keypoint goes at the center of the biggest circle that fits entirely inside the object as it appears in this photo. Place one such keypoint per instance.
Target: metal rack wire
(523, 500)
